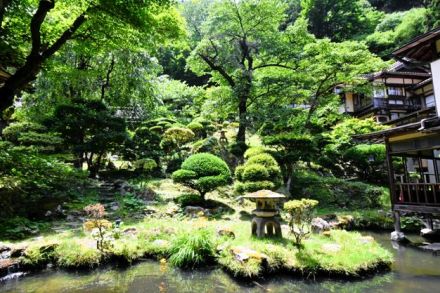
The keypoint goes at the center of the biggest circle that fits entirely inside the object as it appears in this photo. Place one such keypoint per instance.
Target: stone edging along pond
(337, 253)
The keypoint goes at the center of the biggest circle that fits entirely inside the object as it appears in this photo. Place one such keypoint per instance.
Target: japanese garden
(219, 145)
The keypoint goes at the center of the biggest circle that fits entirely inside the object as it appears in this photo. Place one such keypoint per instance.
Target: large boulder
(319, 225)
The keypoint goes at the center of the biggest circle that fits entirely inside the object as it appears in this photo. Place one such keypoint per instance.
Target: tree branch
(219, 69)
(44, 7)
(274, 65)
(106, 84)
(67, 34)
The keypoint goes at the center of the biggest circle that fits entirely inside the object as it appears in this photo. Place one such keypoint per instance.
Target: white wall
(435, 69)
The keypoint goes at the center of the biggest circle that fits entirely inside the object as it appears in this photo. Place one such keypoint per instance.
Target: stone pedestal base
(398, 236)
(266, 227)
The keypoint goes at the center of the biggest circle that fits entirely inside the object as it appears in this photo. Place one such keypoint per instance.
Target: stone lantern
(264, 222)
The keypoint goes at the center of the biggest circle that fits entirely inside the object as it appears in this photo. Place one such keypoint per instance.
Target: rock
(194, 211)
(331, 248)
(114, 206)
(243, 254)
(130, 231)
(18, 251)
(172, 210)
(433, 247)
(4, 248)
(398, 236)
(149, 211)
(161, 243)
(147, 194)
(48, 214)
(319, 225)
(226, 232)
(366, 239)
(118, 183)
(7, 266)
(70, 218)
(432, 235)
(345, 222)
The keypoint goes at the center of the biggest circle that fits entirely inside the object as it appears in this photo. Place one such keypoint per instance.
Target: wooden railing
(423, 194)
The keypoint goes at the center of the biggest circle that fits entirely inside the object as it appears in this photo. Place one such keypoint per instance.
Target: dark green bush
(238, 149)
(31, 184)
(203, 172)
(188, 199)
(331, 191)
(260, 171)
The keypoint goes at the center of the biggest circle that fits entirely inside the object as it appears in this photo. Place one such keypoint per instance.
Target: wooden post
(390, 173)
(397, 226)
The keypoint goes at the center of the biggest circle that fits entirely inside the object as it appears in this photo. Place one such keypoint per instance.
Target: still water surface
(413, 271)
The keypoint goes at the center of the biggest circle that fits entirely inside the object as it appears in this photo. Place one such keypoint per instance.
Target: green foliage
(339, 140)
(260, 171)
(203, 172)
(188, 199)
(16, 228)
(250, 152)
(339, 20)
(191, 249)
(367, 162)
(300, 217)
(74, 254)
(175, 137)
(31, 184)
(396, 29)
(238, 148)
(331, 191)
(89, 131)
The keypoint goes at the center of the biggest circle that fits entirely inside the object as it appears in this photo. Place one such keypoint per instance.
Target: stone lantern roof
(264, 194)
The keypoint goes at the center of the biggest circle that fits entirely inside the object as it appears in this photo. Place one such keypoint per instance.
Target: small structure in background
(265, 223)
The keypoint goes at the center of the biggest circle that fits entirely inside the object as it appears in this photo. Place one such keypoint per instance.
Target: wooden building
(413, 143)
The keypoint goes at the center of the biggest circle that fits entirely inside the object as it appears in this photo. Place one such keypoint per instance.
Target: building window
(382, 119)
(394, 115)
(430, 101)
(395, 91)
(378, 92)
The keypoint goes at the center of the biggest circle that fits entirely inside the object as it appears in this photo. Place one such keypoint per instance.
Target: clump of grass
(190, 249)
(128, 249)
(73, 254)
(38, 254)
(250, 268)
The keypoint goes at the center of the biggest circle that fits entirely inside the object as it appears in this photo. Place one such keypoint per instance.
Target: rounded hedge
(253, 151)
(255, 172)
(261, 171)
(203, 172)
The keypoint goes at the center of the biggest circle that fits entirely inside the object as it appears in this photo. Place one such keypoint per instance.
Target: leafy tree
(300, 217)
(203, 172)
(433, 14)
(238, 41)
(89, 130)
(339, 140)
(53, 23)
(33, 136)
(396, 5)
(289, 149)
(339, 20)
(367, 162)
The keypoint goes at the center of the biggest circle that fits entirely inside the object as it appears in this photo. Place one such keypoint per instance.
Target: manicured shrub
(197, 128)
(260, 171)
(191, 249)
(238, 149)
(203, 172)
(300, 215)
(188, 199)
(253, 151)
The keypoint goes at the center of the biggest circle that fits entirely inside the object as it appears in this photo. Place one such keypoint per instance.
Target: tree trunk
(18, 81)
(242, 112)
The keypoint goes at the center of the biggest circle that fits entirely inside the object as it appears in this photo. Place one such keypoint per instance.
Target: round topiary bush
(260, 171)
(203, 172)
(253, 151)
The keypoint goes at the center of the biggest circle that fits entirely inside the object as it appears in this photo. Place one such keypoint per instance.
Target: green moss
(75, 254)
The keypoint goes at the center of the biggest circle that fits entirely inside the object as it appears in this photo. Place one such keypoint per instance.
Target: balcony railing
(420, 194)
(380, 103)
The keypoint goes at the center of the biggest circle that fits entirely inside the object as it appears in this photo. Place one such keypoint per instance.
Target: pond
(413, 271)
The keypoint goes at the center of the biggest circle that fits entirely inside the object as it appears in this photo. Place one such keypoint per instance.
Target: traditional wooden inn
(413, 141)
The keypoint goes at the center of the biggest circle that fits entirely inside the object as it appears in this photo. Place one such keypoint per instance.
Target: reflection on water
(413, 271)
